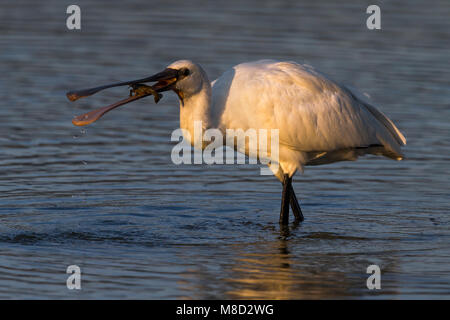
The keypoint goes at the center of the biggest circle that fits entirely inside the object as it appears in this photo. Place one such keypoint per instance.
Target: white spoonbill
(319, 121)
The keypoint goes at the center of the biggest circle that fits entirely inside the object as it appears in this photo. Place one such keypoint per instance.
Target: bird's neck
(196, 108)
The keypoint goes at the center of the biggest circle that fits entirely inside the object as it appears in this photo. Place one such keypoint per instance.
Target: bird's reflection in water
(270, 270)
(288, 263)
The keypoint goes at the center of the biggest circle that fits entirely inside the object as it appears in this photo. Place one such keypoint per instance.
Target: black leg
(285, 199)
(296, 206)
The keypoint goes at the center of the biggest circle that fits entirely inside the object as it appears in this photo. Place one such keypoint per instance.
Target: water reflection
(288, 266)
(272, 271)
(265, 274)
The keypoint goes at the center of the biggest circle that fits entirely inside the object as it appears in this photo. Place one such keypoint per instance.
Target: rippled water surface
(108, 198)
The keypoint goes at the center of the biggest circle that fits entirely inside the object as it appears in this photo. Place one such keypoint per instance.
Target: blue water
(108, 198)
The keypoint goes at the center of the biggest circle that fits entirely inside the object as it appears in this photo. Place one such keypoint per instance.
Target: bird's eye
(185, 72)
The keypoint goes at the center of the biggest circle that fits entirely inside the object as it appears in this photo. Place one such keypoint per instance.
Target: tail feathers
(390, 126)
(351, 154)
(398, 136)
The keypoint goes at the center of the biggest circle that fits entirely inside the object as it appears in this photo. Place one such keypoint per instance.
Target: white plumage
(319, 121)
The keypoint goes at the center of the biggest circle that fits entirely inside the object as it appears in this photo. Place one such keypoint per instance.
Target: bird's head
(190, 80)
(184, 77)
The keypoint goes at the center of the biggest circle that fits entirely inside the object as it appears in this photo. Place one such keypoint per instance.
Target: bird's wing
(312, 112)
(378, 115)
